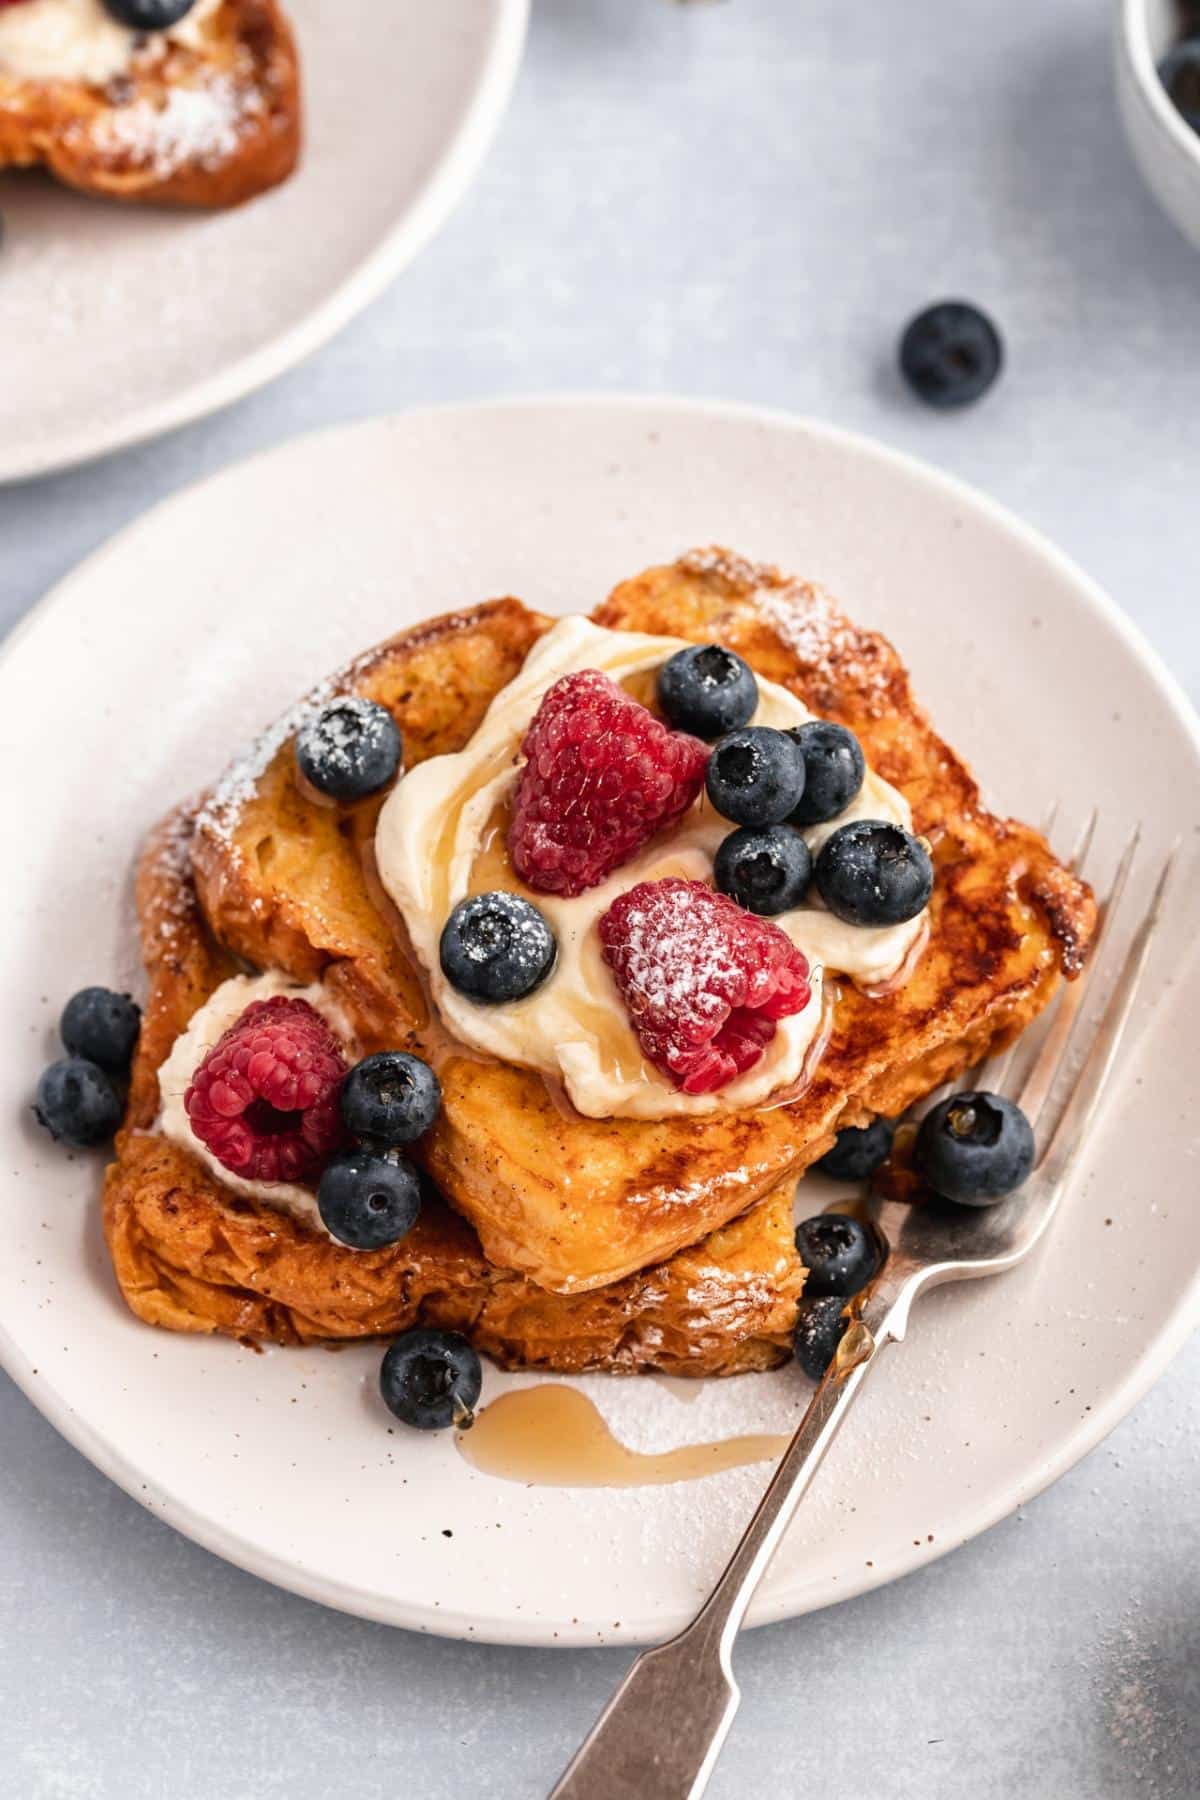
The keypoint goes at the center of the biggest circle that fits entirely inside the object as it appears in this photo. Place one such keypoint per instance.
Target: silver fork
(661, 1733)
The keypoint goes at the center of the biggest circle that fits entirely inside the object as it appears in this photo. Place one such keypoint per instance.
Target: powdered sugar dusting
(808, 620)
(219, 815)
(172, 905)
(703, 981)
(199, 125)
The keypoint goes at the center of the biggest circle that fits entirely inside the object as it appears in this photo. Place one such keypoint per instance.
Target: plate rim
(1173, 1330)
(453, 173)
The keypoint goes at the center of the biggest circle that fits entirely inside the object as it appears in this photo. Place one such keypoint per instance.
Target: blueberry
(834, 770)
(390, 1098)
(497, 947)
(756, 776)
(1179, 73)
(369, 1198)
(819, 1331)
(840, 1254)
(102, 1026)
(950, 354)
(707, 690)
(765, 871)
(974, 1148)
(149, 15)
(873, 873)
(431, 1379)
(857, 1152)
(77, 1103)
(350, 748)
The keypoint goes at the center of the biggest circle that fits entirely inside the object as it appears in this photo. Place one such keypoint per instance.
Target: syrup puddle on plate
(553, 1436)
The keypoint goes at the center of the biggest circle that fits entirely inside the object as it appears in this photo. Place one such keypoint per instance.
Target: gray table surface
(741, 200)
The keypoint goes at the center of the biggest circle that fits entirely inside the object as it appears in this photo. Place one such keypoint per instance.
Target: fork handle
(661, 1733)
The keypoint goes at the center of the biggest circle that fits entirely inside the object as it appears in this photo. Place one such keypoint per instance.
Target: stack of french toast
(557, 1231)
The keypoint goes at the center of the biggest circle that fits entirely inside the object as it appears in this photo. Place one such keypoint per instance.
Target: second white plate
(165, 652)
(119, 323)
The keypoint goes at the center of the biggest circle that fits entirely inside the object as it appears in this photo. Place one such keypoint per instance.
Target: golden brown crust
(206, 127)
(576, 1203)
(191, 1256)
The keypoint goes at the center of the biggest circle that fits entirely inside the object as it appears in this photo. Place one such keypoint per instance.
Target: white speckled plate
(118, 323)
(157, 659)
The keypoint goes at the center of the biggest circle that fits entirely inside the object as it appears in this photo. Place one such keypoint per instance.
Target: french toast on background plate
(618, 1221)
(151, 100)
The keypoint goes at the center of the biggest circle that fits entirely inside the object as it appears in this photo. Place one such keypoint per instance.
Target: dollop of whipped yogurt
(224, 1008)
(436, 844)
(79, 40)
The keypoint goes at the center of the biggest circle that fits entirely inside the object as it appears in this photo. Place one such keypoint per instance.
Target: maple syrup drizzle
(553, 1436)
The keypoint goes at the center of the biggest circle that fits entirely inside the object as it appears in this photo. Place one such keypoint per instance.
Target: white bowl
(1165, 148)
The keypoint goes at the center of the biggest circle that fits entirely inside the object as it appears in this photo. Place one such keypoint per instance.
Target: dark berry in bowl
(871, 872)
(390, 1098)
(974, 1148)
(707, 691)
(431, 1379)
(149, 15)
(834, 770)
(950, 354)
(1179, 73)
(369, 1198)
(839, 1253)
(497, 947)
(766, 870)
(819, 1329)
(755, 776)
(102, 1026)
(78, 1103)
(857, 1151)
(349, 749)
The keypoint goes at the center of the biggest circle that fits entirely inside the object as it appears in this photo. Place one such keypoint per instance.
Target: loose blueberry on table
(974, 1148)
(840, 1254)
(349, 749)
(756, 776)
(431, 1379)
(497, 947)
(872, 872)
(857, 1151)
(766, 870)
(834, 770)
(707, 690)
(950, 354)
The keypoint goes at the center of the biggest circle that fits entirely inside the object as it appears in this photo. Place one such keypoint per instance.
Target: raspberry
(704, 983)
(265, 1098)
(602, 776)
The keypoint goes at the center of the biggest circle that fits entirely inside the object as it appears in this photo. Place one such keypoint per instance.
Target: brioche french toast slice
(287, 881)
(207, 116)
(190, 1255)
